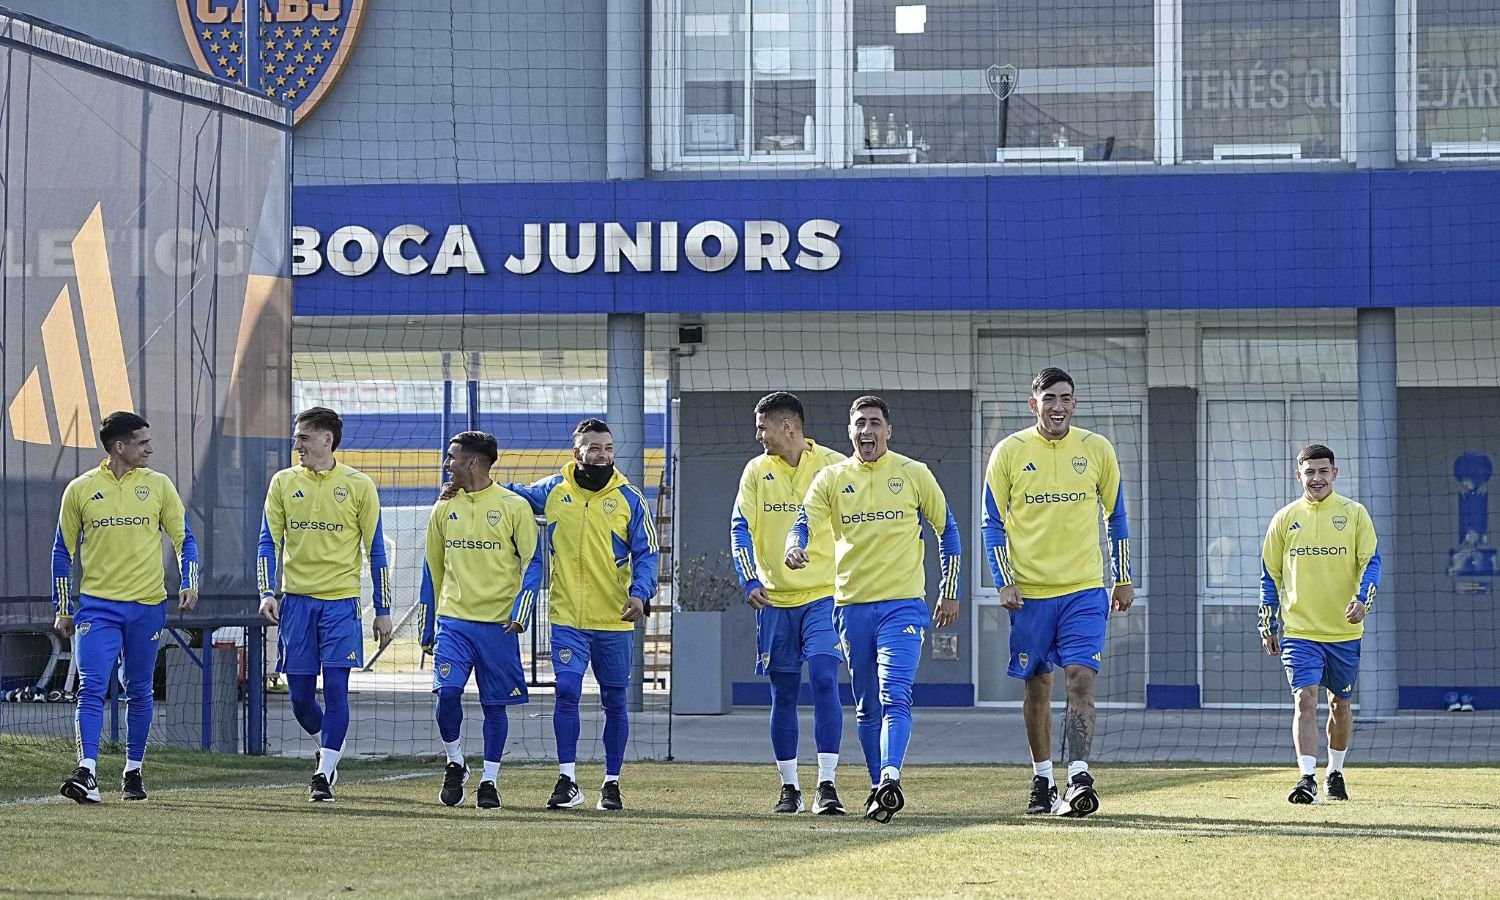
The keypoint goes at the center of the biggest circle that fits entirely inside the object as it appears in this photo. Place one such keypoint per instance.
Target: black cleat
(1306, 791)
(885, 801)
(1080, 799)
(488, 796)
(1043, 800)
(609, 796)
(827, 802)
(80, 787)
(319, 790)
(790, 800)
(455, 776)
(131, 786)
(1333, 786)
(565, 795)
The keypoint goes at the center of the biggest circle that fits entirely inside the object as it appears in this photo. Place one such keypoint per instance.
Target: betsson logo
(877, 515)
(574, 248)
(1057, 498)
(1318, 551)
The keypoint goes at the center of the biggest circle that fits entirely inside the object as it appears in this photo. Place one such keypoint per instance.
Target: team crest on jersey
(1340, 521)
(84, 628)
(565, 655)
(895, 484)
(302, 46)
(142, 492)
(492, 517)
(444, 669)
(1022, 659)
(610, 505)
(340, 494)
(1080, 464)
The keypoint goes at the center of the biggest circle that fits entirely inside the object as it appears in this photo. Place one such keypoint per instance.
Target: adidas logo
(98, 496)
(769, 477)
(353, 656)
(567, 499)
(911, 629)
(848, 488)
(1295, 526)
(1030, 467)
(66, 354)
(296, 495)
(515, 692)
(453, 517)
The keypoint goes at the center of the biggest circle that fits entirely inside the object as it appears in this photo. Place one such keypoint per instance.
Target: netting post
(1378, 695)
(255, 681)
(206, 641)
(626, 413)
(626, 64)
(1369, 83)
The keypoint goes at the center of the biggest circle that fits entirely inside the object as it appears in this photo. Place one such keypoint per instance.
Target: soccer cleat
(455, 776)
(565, 795)
(1305, 792)
(80, 787)
(1043, 800)
(131, 786)
(1080, 799)
(827, 802)
(1334, 786)
(488, 797)
(319, 790)
(609, 796)
(885, 801)
(790, 800)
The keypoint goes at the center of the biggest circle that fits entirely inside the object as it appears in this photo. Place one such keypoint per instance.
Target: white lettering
(338, 250)
(758, 250)
(557, 247)
(532, 260)
(395, 260)
(458, 252)
(618, 242)
(668, 245)
(697, 252)
(306, 260)
(819, 252)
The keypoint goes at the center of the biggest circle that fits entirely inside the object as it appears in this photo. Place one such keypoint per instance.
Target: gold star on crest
(318, 59)
(224, 34)
(235, 47)
(280, 57)
(316, 32)
(208, 34)
(214, 47)
(292, 94)
(281, 32)
(328, 45)
(223, 60)
(298, 58)
(333, 30)
(297, 32)
(312, 70)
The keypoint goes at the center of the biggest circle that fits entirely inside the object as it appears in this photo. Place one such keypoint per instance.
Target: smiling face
(1054, 406)
(314, 446)
(869, 432)
(1316, 477)
(134, 451)
(466, 469)
(778, 432)
(594, 448)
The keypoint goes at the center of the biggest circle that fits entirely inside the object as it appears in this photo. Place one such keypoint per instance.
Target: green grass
(213, 828)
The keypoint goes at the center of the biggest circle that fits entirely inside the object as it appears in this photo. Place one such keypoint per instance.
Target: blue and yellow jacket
(765, 509)
(1316, 558)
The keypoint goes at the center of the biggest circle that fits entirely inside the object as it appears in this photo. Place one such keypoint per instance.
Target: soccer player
(320, 517)
(1320, 569)
(793, 609)
(874, 502)
(111, 522)
(1043, 490)
(479, 587)
(604, 564)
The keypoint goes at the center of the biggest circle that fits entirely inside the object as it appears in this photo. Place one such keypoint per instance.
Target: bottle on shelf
(872, 138)
(910, 137)
(1062, 136)
(891, 140)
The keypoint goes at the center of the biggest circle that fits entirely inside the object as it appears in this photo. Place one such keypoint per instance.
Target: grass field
(221, 826)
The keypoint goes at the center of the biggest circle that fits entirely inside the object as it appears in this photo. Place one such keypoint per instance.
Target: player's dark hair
(871, 400)
(321, 418)
(119, 426)
(1315, 451)
(780, 402)
(480, 443)
(591, 426)
(1048, 377)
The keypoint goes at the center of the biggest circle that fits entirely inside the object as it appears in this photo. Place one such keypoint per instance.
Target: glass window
(1458, 78)
(1082, 81)
(1260, 80)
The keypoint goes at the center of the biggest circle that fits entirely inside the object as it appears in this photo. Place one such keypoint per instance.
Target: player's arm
(174, 522)
(526, 540)
(992, 525)
(372, 533)
(645, 556)
(816, 510)
(1117, 526)
(934, 508)
(64, 549)
(535, 493)
(1271, 551)
(268, 553)
(1367, 557)
(432, 576)
(741, 542)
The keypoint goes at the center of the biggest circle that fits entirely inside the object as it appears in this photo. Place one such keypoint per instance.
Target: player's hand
(515, 627)
(449, 491)
(1271, 642)
(758, 598)
(945, 613)
(1010, 597)
(634, 608)
(270, 609)
(1122, 597)
(63, 625)
(187, 599)
(1355, 613)
(796, 558)
(382, 629)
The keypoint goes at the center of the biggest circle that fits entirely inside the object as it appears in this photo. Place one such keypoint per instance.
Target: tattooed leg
(1078, 722)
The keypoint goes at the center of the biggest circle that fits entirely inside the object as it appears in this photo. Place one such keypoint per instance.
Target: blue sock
(785, 686)
(335, 708)
(828, 712)
(304, 694)
(565, 715)
(450, 713)
(616, 728)
(496, 730)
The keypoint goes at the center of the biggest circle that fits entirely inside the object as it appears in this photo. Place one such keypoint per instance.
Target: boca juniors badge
(142, 492)
(301, 46)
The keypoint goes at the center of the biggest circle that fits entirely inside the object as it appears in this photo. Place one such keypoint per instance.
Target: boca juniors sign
(301, 46)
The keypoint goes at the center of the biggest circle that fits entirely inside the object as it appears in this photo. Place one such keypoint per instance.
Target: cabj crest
(302, 45)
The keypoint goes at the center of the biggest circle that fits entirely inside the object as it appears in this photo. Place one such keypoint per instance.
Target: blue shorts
(786, 636)
(1332, 664)
(1058, 631)
(317, 633)
(484, 648)
(611, 653)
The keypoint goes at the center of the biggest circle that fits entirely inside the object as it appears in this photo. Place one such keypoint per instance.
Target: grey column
(626, 414)
(1377, 459)
(625, 61)
(1374, 84)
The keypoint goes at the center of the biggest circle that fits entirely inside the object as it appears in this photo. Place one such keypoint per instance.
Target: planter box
(700, 685)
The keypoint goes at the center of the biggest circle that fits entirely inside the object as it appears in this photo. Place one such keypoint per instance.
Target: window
(1457, 85)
